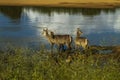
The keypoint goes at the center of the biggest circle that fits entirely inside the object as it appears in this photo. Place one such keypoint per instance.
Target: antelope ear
(79, 30)
(45, 28)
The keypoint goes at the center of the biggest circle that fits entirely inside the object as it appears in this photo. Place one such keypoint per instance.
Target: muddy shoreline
(67, 5)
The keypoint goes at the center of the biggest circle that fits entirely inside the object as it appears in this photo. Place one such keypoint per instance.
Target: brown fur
(59, 40)
(81, 41)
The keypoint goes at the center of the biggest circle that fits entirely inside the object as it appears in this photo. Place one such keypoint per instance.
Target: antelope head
(52, 34)
(79, 32)
(45, 32)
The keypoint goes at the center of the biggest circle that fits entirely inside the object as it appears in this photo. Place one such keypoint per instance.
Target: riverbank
(26, 64)
(63, 3)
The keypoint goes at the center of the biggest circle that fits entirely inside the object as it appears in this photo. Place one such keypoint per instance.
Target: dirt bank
(63, 3)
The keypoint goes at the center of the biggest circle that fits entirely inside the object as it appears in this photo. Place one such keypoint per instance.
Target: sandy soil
(64, 3)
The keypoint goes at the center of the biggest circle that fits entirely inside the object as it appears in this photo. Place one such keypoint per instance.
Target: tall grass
(27, 64)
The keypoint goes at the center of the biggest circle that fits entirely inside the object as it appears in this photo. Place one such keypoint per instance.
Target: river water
(22, 26)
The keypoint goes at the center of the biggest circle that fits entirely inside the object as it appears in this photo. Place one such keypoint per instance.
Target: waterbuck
(80, 41)
(59, 40)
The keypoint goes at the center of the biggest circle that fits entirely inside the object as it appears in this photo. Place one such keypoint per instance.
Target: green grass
(27, 64)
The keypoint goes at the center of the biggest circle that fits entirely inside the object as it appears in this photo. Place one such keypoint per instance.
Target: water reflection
(14, 12)
(11, 12)
(100, 26)
(71, 11)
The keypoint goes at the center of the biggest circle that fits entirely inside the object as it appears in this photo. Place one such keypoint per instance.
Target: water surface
(22, 26)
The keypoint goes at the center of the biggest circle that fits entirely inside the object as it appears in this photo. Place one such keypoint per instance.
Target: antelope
(80, 41)
(59, 40)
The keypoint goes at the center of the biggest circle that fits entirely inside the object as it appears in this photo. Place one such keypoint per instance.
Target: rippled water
(22, 26)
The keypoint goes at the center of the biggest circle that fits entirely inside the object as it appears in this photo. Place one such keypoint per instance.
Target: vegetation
(28, 64)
